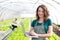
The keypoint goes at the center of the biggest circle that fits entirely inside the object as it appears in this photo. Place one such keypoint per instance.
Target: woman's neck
(40, 20)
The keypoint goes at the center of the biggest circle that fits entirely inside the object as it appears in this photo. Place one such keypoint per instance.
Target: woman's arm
(32, 32)
(49, 33)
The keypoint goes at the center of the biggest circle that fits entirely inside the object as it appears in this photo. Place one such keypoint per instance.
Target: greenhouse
(24, 11)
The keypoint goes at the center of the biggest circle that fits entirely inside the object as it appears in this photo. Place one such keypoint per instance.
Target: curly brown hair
(45, 11)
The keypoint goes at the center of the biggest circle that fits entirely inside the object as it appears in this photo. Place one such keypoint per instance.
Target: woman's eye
(40, 11)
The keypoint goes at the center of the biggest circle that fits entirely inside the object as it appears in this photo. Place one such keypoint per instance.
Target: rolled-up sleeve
(49, 22)
(33, 23)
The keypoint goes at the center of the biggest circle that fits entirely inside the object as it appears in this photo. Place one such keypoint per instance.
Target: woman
(42, 25)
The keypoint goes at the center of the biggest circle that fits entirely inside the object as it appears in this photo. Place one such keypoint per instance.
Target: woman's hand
(33, 34)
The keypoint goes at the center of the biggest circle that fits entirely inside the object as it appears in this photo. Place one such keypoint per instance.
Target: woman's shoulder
(49, 20)
(35, 20)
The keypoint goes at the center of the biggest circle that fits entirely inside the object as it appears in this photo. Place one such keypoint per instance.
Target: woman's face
(40, 12)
